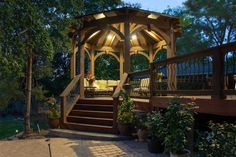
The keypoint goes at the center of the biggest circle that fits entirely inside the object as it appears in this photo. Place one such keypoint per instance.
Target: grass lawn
(8, 127)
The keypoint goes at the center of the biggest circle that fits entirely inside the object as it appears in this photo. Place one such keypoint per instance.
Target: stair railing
(115, 97)
(69, 97)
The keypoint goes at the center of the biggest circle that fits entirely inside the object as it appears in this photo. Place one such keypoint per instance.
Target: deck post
(73, 59)
(121, 63)
(218, 75)
(171, 69)
(92, 61)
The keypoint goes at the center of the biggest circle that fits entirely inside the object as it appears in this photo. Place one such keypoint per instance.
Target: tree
(214, 20)
(27, 39)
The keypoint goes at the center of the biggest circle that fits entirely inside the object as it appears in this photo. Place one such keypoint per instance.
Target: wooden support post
(73, 59)
(152, 79)
(92, 61)
(218, 75)
(81, 69)
(127, 47)
(171, 69)
(121, 63)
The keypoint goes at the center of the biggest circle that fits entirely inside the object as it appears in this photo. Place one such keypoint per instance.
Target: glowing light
(134, 37)
(109, 37)
(153, 16)
(99, 16)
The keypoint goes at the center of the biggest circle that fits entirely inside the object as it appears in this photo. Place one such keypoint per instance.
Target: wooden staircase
(91, 115)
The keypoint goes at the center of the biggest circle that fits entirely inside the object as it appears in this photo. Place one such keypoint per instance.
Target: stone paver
(62, 147)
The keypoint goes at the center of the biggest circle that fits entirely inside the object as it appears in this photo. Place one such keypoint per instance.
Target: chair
(144, 87)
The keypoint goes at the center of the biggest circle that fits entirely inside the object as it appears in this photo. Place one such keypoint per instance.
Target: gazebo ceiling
(106, 29)
(141, 38)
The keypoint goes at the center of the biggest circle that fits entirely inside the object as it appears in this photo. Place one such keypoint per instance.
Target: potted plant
(125, 114)
(140, 124)
(219, 141)
(90, 78)
(156, 127)
(53, 113)
(179, 119)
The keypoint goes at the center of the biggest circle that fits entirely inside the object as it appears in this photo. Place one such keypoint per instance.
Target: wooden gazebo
(124, 32)
(121, 33)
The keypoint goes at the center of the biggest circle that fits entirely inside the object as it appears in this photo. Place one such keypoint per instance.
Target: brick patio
(62, 147)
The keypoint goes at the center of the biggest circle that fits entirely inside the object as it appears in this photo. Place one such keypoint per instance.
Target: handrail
(119, 87)
(137, 73)
(115, 97)
(69, 97)
(70, 86)
(206, 52)
(218, 64)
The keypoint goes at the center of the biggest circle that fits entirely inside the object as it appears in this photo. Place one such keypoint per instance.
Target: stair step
(84, 135)
(95, 101)
(90, 120)
(91, 113)
(89, 127)
(93, 107)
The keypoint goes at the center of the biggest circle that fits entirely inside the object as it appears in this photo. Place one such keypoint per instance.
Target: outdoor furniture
(143, 88)
(102, 87)
(90, 91)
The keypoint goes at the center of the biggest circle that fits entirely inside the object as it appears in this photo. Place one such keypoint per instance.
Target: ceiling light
(109, 37)
(134, 37)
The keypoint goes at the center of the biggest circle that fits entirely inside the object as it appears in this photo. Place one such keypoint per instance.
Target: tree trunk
(27, 128)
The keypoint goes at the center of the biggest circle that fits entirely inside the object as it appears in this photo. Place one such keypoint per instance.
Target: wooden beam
(121, 63)
(73, 59)
(92, 61)
(121, 18)
(127, 47)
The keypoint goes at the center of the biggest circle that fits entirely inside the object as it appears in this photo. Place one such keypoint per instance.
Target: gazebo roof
(106, 29)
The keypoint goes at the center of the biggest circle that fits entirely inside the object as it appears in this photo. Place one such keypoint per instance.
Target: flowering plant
(90, 78)
(52, 105)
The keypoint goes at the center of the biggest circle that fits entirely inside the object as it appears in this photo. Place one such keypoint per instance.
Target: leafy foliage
(52, 108)
(140, 120)
(107, 67)
(179, 120)
(156, 125)
(219, 141)
(125, 114)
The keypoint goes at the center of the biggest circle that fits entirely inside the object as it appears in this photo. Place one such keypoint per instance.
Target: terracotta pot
(186, 154)
(155, 146)
(124, 129)
(53, 122)
(142, 134)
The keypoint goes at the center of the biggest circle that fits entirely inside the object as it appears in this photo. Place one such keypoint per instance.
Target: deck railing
(209, 72)
(69, 97)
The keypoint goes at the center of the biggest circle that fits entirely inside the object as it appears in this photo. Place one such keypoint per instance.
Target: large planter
(53, 122)
(186, 154)
(142, 134)
(155, 146)
(124, 129)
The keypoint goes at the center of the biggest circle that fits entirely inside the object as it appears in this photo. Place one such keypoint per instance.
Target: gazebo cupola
(121, 33)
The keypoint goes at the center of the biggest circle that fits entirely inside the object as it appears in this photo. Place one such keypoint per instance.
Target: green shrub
(220, 141)
(125, 113)
(156, 125)
(179, 121)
